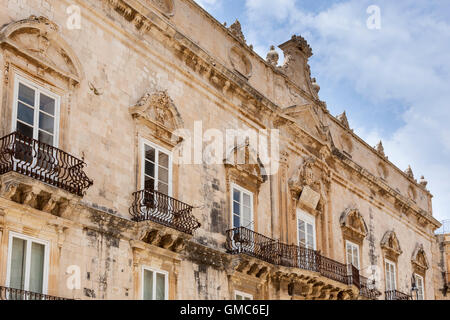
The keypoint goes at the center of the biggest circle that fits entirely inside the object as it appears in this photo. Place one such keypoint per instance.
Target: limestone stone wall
(127, 49)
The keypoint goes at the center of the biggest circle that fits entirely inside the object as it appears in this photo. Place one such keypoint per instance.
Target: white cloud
(405, 61)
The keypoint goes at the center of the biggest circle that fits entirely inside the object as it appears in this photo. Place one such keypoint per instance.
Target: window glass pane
(246, 200)
(160, 286)
(149, 184)
(238, 297)
(45, 137)
(18, 254)
(25, 130)
(163, 159)
(236, 208)
(37, 267)
(47, 104)
(163, 175)
(26, 114)
(149, 153)
(247, 298)
(26, 94)
(46, 122)
(236, 195)
(163, 188)
(236, 221)
(247, 214)
(148, 285)
(149, 169)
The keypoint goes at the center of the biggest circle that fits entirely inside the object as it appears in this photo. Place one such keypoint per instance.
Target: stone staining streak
(372, 247)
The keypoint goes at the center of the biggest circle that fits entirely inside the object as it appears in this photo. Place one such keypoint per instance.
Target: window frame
(29, 240)
(158, 149)
(352, 244)
(38, 89)
(242, 190)
(243, 295)
(307, 218)
(418, 276)
(392, 263)
(155, 271)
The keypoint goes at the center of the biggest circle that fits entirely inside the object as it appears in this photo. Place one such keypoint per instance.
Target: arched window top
(353, 224)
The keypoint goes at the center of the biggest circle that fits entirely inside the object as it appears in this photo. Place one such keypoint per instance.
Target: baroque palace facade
(96, 204)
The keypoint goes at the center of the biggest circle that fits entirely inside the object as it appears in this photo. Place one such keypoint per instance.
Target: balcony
(150, 205)
(43, 162)
(245, 241)
(17, 294)
(367, 290)
(396, 295)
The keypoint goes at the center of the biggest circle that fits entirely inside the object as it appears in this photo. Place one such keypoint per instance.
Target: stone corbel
(9, 189)
(30, 196)
(50, 204)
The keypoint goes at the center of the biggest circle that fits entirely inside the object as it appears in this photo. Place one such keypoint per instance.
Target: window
(156, 169)
(154, 284)
(352, 253)
(35, 112)
(27, 264)
(390, 276)
(242, 296)
(306, 230)
(420, 287)
(242, 207)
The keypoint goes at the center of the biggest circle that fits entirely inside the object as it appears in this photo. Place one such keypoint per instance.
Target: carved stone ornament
(391, 245)
(272, 56)
(240, 62)
(165, 6)
(380, 149)
(158, 108)
(353, 225)
(419, 259)
(304, 186)
(409, 172)
(38, 40)
(243, 162)
(309, 197)
(236, 30)
(343, 119)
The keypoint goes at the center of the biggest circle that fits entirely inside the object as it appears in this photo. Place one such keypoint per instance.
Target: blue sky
(393, 82)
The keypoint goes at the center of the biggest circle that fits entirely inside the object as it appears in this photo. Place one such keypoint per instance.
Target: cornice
(421, 214)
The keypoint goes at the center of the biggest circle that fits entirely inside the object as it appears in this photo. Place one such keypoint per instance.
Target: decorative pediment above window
(158, 112)
(419, 260)
(353, 225)
(391, 245)
(245, 166)
(38, 41)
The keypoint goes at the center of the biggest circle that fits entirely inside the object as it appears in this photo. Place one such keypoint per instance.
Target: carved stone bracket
(37, 195)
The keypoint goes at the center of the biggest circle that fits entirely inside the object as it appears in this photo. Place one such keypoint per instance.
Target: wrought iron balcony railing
(367, 289)
(158, 207)
(397, 295)
(243, 240)
(43, 162)
(18, 294)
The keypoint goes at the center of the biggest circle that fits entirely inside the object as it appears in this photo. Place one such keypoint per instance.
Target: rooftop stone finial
(343, 119)
(236, 30)
(380, 149)
(423, 182)
(409, 172)
(272, 56)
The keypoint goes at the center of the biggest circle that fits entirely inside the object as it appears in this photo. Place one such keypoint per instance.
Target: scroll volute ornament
(353, 225)
(391, 245)
(419, 259)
